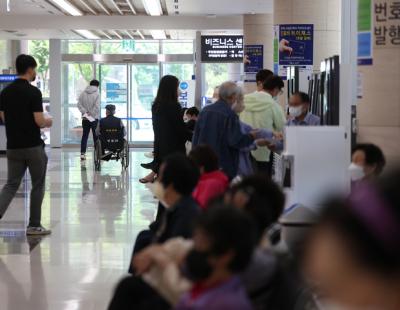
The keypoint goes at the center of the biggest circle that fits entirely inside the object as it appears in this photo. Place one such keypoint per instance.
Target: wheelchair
(107, 148)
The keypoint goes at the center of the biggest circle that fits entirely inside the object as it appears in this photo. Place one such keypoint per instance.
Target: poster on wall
(187, 93)
(293, 46)
(253, 61)
(116, 93)
(364, 28)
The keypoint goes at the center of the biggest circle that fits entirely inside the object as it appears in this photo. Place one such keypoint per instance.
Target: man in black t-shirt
(21, 109)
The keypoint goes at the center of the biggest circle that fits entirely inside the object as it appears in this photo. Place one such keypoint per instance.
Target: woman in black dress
(170, 131)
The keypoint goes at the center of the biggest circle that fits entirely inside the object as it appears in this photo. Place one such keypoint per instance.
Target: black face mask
(197, 267)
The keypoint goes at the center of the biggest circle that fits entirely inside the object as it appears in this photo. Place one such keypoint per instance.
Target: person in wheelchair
(112, 133)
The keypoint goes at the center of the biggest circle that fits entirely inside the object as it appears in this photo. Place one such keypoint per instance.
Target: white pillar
(55, 92)
(198, 71)
(348, 66)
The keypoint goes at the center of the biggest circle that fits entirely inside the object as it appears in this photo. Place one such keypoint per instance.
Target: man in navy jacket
(219, 127)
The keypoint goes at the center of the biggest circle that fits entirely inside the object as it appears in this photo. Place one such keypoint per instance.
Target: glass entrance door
(132, 89)
(143, 90)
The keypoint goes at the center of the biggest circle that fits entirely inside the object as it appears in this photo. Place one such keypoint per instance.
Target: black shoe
(147, 166)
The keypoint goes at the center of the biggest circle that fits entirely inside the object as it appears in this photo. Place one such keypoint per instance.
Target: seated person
(111, 131)
(213, 181)
(299, 115)
(192, 115)
(262, 200)
(223, 244)
(177, 178)
(367, 162)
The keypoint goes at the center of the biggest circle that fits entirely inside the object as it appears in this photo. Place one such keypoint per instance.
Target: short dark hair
(265, 203)
(204, 157)
(229, 229)
(373, 155)
(94, 83)
(193, 111)
(273, 82)
(24, 62)
(180, 172)
(263, 75)
(305, 98)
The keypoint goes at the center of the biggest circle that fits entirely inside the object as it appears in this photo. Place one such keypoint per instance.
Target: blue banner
(254, 58)
(296, 45)
(7, 78)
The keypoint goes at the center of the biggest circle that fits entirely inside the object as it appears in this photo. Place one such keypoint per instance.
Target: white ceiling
(219, 7)
(31, 7)
(44, 9)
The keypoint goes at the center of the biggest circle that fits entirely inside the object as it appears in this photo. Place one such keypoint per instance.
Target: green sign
(364, 15)
(128, 45)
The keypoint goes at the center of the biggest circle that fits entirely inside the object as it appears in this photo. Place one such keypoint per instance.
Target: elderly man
(218, 126)
(299, 106)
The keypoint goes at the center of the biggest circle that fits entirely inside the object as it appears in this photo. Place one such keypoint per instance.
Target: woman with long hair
(170, 131)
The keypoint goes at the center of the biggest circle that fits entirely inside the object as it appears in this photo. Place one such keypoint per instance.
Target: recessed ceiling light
(158, 34)
(87, 34)
(153, 7)
(68, 7)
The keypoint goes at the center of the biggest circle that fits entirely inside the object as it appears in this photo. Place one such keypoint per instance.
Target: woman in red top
(213, 182)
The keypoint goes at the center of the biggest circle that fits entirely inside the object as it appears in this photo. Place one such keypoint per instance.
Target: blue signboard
(116, 92)
(253, 61)
(254, 58)
(296, 45)
(7, 78)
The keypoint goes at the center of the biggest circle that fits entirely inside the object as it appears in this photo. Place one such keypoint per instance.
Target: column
(55, 92)
(379, 108)
(198, 70)
(326, 17)
(258, 29)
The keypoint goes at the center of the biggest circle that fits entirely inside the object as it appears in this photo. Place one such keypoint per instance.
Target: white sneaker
(83, 157)
(36, 231)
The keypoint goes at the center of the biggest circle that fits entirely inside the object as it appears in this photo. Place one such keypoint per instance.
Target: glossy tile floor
(95, 217)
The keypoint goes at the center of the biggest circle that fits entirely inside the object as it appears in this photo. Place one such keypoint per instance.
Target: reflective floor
(95, 217)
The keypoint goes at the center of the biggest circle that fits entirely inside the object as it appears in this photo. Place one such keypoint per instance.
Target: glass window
(183, 72)
(4, 52)
(145, 80)
(76, 78)
(129, 47)
(177, 47)
(215, 75)
(79, 47)
(39, 49)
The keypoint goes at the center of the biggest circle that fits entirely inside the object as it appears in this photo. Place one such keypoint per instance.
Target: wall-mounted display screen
(220, 48)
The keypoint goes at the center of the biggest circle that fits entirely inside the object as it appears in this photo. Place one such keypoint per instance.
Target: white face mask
(356, 172)
(214, 100)
(295, 111)
(158, 190)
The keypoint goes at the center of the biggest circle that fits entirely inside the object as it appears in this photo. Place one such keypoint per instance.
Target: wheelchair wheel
(97, 155)
(125, 156)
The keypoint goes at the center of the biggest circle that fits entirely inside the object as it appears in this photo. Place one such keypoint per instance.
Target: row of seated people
(208, 248)
(216, 253)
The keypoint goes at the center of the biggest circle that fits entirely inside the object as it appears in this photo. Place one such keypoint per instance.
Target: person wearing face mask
(219, 127)
(367, 162)
(299, 115)
(263, 112)
(21, 109)
(224, 240)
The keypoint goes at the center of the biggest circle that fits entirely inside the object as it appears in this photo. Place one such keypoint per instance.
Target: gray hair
(229, 89)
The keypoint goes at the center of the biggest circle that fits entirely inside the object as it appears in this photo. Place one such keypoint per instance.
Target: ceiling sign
(220, 48)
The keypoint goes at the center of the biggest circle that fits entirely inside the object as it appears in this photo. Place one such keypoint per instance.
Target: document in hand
(88, 117)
